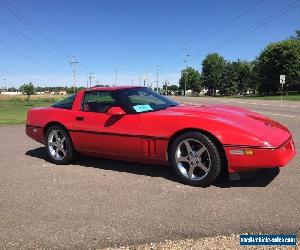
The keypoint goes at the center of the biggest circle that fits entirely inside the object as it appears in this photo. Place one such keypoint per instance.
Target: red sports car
(137, 124)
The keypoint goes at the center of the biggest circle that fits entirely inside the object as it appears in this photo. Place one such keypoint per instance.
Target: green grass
(13, 109)
(291, 97)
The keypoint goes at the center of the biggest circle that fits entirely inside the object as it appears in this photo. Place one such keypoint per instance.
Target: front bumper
(261, 158)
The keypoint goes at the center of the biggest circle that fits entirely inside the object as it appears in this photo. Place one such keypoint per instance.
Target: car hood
(264, 128)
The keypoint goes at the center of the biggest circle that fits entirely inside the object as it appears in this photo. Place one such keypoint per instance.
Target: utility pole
(91, 76)
(145, 79)
(185, 60)
(117, 74)
(166, 88)
(4, 82)
(73, 64)
(140, 79)
(157, 70)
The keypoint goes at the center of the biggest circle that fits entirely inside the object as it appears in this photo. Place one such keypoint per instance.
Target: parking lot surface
(96, 203)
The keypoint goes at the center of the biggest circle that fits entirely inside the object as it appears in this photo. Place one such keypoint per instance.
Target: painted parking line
(278, 114)
(264, 104)
(262, 112)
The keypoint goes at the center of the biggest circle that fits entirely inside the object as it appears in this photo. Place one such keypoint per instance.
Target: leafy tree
(191, 78)
(244, 71)
(170, 88)
(12, 89)
(254, 79)
(277, 59)
(71, 90)
(229, 79)
(296, 36)
(212, 68)
(173, 87)
(28, 89)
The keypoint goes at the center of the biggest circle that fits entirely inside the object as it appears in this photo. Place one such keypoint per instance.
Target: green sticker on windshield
(142, 108)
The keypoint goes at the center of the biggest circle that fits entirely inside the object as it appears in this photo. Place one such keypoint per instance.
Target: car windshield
(142, 99)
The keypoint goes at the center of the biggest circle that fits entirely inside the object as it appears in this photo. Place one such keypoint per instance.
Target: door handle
(79, 118)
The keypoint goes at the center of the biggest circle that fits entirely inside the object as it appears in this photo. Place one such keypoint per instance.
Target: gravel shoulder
(205, 243)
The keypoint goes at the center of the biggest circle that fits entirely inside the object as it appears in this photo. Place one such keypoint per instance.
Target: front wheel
(195, 159)
(59, 146)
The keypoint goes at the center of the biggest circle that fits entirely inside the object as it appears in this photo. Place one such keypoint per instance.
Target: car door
(95, 131)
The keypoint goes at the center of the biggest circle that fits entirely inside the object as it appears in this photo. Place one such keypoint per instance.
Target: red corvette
(137, 124)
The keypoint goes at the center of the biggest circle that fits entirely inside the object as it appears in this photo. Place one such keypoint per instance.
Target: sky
(136, 38)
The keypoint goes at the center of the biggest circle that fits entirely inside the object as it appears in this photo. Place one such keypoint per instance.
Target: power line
(25, 21)
(28, 40)
(224, 26)
(17, 75)
(32, 27)
(8, 72)
(249, 30)
(260, 24)
(22, 54)
(233, 20)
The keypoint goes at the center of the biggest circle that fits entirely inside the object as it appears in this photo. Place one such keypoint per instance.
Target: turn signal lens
(236, 152)
(241, 152)
(249, 152)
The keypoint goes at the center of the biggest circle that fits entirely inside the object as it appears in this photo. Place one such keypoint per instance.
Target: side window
(97, 101)
(65, 103)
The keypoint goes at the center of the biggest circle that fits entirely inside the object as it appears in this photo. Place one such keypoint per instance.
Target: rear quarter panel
(38, 118)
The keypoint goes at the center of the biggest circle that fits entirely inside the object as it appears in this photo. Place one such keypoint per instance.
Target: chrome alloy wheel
(57, 144)
(192, 159)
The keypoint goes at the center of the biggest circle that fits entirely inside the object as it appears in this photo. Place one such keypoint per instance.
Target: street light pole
(184, 73)
(157, 70)
(91, 76)
(166, 88)
(185, 61)
(117, 75)
(4, 84)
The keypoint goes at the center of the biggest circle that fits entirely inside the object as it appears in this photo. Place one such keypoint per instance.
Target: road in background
(267, 107)
(97, 203)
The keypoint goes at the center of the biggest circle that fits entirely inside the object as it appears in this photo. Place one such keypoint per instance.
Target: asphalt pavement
(96, 203)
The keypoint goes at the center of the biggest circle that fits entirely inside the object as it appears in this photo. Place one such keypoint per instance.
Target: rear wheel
(195, 159)
(59, 146)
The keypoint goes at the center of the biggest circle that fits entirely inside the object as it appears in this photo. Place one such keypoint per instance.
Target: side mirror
(113, 111)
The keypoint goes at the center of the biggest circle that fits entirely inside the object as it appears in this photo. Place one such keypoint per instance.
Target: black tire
(212, 155)
(66, 144)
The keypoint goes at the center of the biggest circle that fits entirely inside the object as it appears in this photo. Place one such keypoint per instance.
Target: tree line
(29, 89)
(260, 76)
